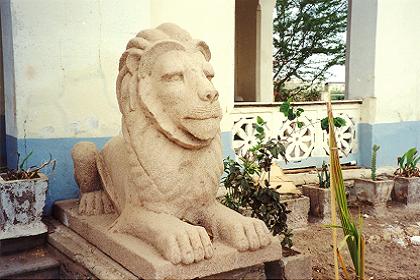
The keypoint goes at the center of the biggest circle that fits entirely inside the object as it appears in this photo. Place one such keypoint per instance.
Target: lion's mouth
(203, 123)
(204, 113)
(203, 129)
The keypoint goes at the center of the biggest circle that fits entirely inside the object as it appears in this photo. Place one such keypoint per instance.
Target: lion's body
(166, 166)
(195, 172)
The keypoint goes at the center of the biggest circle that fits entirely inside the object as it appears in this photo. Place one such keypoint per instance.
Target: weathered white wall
(384, 64)
(65, 56)
(397, 71)
(214, 22)
(66, 60)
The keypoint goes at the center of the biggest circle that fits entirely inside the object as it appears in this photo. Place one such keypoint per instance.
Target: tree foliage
(308, 40)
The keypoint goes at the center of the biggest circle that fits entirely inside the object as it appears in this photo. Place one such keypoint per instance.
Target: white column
(384, 59)
(264, 79)
(384, 70)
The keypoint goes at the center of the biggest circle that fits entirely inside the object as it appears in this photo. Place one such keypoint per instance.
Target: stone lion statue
(162, 173)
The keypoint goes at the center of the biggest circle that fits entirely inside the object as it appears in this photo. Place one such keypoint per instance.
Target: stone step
(33, 264)
(80, 259)
(24, 243)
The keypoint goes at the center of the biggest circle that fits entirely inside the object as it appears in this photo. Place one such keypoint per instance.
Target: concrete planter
(375, 193)
(407, 191)
(319, 201)
(292, 266)
(21, 206)
(299, 207)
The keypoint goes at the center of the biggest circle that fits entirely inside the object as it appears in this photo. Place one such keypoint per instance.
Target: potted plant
(319, 194)
(375, 190)
(407, 180)
(22, 199)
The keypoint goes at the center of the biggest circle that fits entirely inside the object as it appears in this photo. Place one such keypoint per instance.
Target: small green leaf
(339, 122)
(259, 129)
(324, 124)
(285, 108)
(22, 164)
(299, 124)
(291, 116)
(260, 120)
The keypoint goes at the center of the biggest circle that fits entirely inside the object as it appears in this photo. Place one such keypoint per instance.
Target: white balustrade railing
(302, 144)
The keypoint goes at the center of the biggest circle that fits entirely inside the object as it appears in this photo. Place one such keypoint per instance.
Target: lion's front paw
(95, 203)
(246, 234)
(185, 245)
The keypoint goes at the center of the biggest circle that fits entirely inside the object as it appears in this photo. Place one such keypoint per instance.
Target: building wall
(397, 68)
(384, 70)
(61, 63)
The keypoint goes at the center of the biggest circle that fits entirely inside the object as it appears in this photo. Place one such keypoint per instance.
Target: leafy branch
(308, 40)
(292, 113)
(249, 189)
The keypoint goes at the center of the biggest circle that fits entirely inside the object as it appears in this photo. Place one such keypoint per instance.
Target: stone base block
(144, 261)
(255, 272)
(407, 191)
(296, 266)
(319, 201)
(298, 218)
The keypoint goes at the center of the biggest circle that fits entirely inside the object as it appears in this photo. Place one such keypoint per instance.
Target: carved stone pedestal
(145, 262)
(320, 202)
(407, 191)
(299, 207)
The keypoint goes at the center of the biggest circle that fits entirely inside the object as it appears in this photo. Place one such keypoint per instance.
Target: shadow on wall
(61, 183)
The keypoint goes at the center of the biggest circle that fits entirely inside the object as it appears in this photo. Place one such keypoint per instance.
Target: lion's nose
(209, 95)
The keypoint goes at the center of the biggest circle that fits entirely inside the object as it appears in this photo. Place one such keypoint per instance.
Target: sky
(338, 73)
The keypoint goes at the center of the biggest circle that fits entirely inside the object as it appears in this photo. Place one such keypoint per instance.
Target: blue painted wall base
(61, 180)
(394, 138)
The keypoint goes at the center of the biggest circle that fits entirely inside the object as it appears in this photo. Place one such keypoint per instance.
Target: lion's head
(167, 74)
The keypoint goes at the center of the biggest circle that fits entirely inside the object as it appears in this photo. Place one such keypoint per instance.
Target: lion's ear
(204, 49)
(133, 59)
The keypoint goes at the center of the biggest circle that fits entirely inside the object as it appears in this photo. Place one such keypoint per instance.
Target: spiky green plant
(375, 149)
(323, 176)
(352, 232)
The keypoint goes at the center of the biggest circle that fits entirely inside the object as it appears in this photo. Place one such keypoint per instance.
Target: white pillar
(384, 70)
(264, 71)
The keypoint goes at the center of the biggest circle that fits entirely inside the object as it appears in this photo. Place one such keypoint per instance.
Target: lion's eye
(173, 77)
